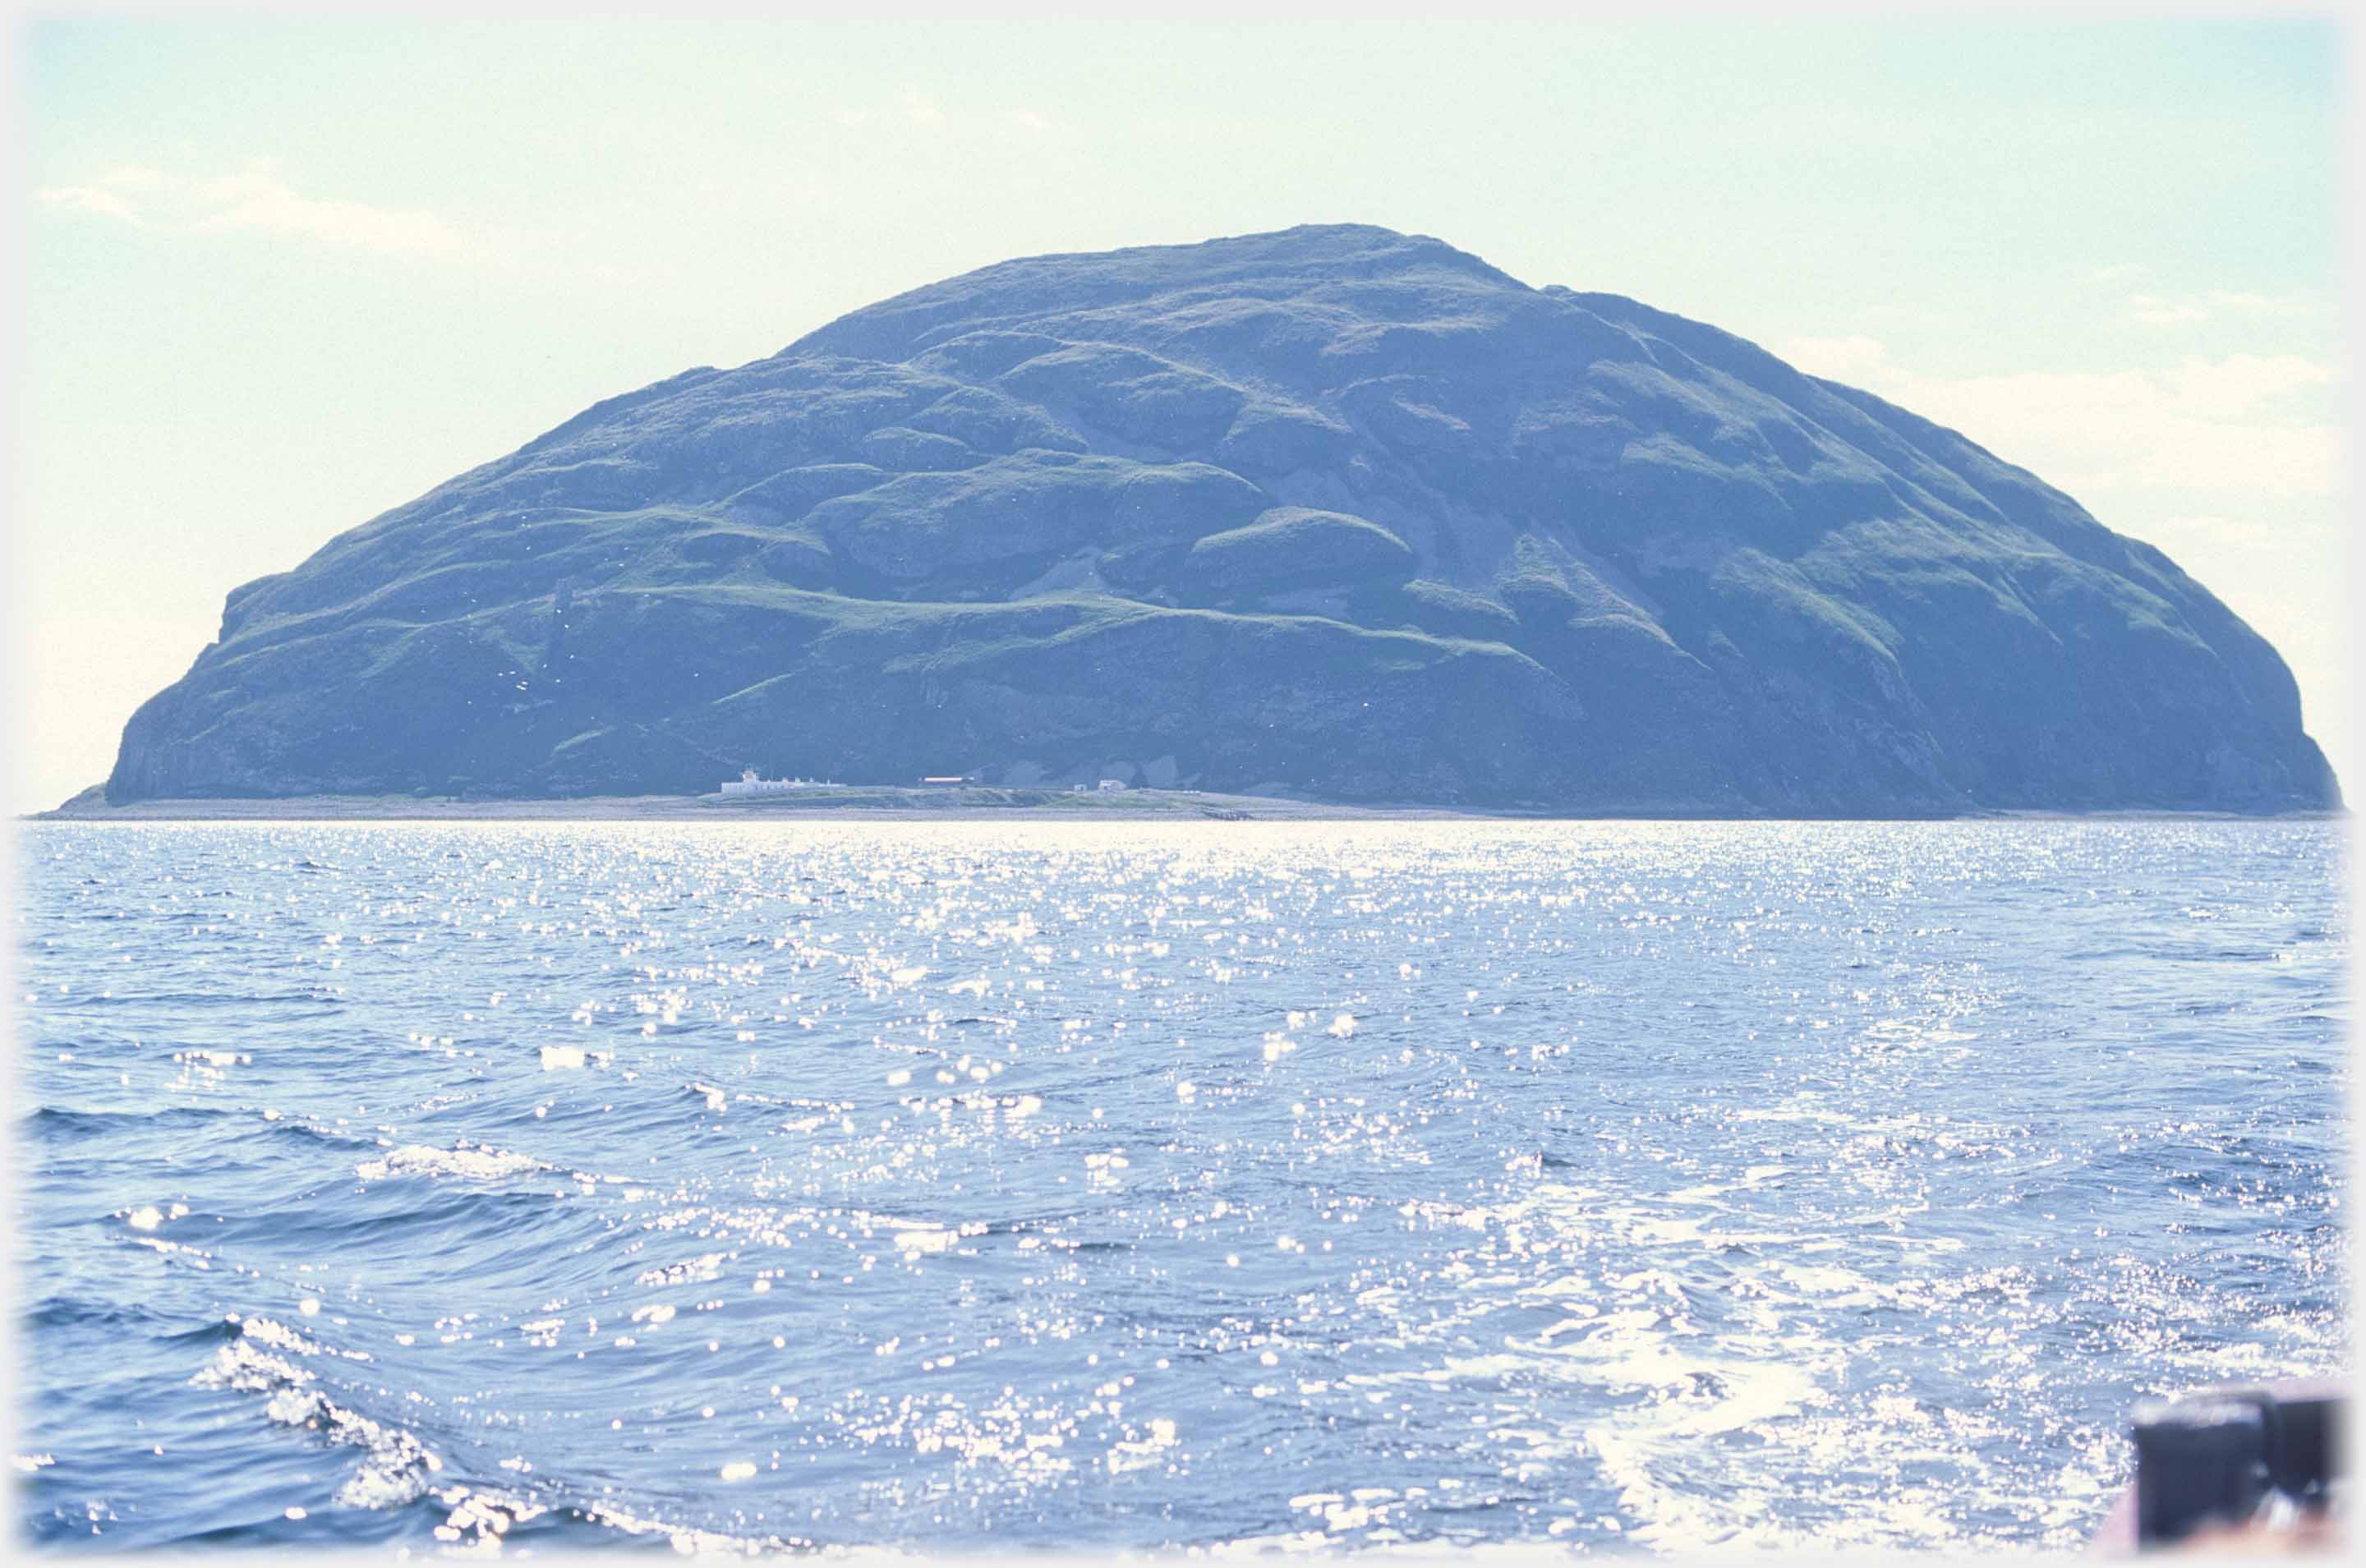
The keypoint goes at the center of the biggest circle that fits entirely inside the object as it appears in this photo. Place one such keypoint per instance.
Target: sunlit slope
(1335, 510)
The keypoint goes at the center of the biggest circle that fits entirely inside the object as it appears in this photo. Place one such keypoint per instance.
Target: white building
(1112, 783)
(748, 783)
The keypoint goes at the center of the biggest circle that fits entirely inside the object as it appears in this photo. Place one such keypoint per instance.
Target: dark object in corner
(2224, 1457)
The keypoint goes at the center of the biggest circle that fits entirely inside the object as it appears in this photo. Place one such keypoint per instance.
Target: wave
(114, 1317)
(460, 1162)
(57, 1123)
(395, 1465)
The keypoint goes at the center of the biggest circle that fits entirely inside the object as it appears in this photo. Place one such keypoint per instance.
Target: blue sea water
(964, 1185)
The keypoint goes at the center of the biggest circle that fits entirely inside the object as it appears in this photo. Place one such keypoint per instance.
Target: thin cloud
(911, 107)
(2264, 535)
(2264, 304)
(1837, 358)
(259, 199)
(2242, 428)
(96, 200)
(1892, 315)
(134, 176)
(1032, 121)
(2189, 309)
(2153, 311)
(920, 109)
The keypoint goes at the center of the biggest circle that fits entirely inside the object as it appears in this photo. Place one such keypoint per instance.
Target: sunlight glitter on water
(1657, 1185)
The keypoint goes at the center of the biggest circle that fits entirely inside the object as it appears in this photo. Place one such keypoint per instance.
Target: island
(1333, 514)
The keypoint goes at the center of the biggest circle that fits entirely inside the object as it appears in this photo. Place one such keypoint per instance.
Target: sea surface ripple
(1227, 1185)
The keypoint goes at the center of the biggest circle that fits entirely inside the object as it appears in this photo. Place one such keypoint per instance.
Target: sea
(509, 1188)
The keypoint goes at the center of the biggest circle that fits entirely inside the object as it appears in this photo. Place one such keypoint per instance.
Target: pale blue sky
(281, 275)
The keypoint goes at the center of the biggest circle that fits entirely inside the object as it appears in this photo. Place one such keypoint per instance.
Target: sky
(278, 277)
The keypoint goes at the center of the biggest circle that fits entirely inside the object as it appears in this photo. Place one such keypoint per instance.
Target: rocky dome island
(1334, 511)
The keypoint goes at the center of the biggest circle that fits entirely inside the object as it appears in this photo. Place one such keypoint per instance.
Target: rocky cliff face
(1336, 510)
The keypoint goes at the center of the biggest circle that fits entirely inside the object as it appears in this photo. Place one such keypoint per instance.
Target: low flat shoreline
(869, 803)
(978, 803)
